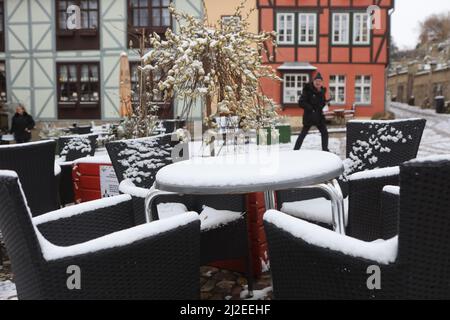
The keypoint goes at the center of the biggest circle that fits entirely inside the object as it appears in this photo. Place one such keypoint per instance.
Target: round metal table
(266, 170)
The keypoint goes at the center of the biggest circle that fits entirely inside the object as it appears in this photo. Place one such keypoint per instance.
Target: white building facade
(61, 74)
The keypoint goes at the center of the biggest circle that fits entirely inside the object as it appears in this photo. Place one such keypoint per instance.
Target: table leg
(152, 194)
(269, 200)
(333, 189)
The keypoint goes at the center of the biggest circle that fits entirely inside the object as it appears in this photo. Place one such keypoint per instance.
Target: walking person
(313, 101)
(22, 124)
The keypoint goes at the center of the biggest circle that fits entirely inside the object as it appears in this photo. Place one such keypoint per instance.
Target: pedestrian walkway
(436, 137)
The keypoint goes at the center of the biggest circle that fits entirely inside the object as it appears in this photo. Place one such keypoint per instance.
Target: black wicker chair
(370, 145)
(116, 260)
(35, 164)
(136, 171)
(71, 148)
(310, 262)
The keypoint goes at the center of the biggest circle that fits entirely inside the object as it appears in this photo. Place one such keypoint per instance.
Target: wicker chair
(83, 146)
(370, 145)
(310, 262)
(116, 260)
(35, 164)
(228, 242)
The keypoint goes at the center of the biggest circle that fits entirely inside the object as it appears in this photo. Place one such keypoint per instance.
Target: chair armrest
(364, 216)
(161, 261)
(378, 252)
(128, 187)
(390, 209)
(86, 221)
(310, 262)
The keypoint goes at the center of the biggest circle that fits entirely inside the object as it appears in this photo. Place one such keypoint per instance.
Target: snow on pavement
(7, 290)
(436, 137)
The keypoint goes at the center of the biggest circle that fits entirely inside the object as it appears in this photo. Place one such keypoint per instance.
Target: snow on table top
(23, 145)
(266, 169)
(383, 252)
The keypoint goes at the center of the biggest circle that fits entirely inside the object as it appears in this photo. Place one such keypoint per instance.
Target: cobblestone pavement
(436, 137)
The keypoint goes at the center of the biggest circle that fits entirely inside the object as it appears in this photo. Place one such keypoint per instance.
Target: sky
(408, 14)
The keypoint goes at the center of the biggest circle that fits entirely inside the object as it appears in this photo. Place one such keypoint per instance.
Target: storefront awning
(296, 66)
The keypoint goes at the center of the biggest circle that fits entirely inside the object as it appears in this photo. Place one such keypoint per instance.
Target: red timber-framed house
(333, 37)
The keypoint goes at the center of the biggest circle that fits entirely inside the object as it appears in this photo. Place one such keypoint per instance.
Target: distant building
(334, 37)
(74, 74)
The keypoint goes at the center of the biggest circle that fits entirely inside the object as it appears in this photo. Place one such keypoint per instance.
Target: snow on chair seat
(211, 218)
(315, 210)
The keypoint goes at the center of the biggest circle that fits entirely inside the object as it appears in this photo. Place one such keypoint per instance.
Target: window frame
(315, 24)
(74, 109)
(337, 85)
(135, 31)
(82, 39)
(341, 42)
(363, 86)
(297, 87)
(354, 29)
(278, 24)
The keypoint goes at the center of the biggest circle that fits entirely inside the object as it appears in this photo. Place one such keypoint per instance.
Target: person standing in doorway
(22, 124)
(313, 100)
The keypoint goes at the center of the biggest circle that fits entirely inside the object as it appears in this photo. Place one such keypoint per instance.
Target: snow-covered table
(266, 170)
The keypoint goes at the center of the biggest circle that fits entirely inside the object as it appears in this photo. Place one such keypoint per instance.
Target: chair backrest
(19, 235)
(382, 144)
(76, 147)
(140, 159)
(35, 165)
(424, 227)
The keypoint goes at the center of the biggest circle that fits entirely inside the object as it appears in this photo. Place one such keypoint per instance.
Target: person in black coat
(22, 124)
(313, 101)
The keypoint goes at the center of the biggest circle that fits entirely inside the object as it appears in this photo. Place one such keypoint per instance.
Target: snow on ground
(436, 137)
(7, 290)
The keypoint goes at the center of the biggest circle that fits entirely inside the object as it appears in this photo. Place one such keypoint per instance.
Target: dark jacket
(313, 101)
(19, 125)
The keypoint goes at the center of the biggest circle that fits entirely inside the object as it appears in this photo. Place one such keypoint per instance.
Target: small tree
(217, 66)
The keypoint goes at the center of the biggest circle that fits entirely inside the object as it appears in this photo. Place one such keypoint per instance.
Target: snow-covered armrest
(375, 173)
(393, 190)
(128, 187)
(380, 252)
(119, 239)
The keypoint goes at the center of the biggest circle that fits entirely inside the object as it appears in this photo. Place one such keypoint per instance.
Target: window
(337, 89)
(150, 16)
(3, 96)
(363, 89)
(293, 87)
(361, 30)
(285, 28)
(87, 38)
(341, 26)
(78, 90)
(2, 27)
(308, 28)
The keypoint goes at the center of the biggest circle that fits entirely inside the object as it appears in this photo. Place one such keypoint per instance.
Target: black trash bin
(440, 104)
